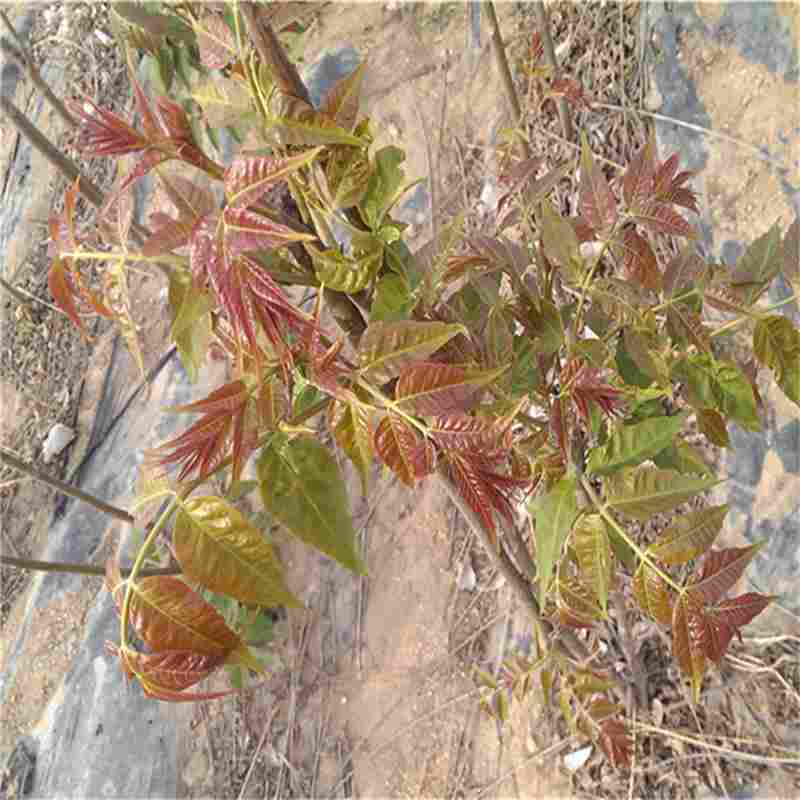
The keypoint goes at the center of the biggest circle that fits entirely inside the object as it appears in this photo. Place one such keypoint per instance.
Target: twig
(751, 757)
(757, 151)
(540, 12)
(548, 751)
(257, 753)
(20, 56)
(24, 297)
(272, 53)
(505, 71)
(41, 144)
(628, 648)
(65, 488)
(81, 569)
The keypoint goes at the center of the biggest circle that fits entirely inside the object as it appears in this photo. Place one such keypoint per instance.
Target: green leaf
(223, 100)
(343, 273)
(760, 263)
(218, 548)
(720, 385)
(546, 327)
(776, 343)
(644, 492)
(349, 424)
(559, 239)
(554, 513)
(384, 185)
(629, 445)
(642, 352)
(689, 536)
(628, 368)
(683, 458)
(191, 326)
(386, 348)
(525, 375)
(393, 300)
(302, 488)
(593, 548)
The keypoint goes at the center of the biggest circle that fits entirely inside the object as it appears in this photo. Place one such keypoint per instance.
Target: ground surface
(383, 703)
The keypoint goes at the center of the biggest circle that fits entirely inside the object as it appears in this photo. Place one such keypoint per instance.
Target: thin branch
(505, 71)
(64, 488)
(19, 55)
(272, 54)
(540, 12)
(41, 144)
(757, 151)
(81, 569)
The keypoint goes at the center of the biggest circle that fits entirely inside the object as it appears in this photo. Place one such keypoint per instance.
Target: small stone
(103, 38)
(575, 760)
(654, 99)
(467, 581)
(57, 440)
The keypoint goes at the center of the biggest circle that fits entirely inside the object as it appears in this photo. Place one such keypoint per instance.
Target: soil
(381, 699)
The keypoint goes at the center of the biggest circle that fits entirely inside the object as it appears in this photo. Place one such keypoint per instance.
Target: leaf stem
(137, 567)
(80, 569)
(602, 509)
(735, 323)
(64, 488)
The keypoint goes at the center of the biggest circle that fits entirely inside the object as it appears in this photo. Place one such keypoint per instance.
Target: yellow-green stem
(735, 323)
(393, 406)
(137, 566)
(602, 509)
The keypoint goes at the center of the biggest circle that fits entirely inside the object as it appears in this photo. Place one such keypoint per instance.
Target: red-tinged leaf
(473, 490)
(151, 124)
(402, 450)
(597, 203)
(590, 386)
(637, 185)
(174, 121)
(681, 196)
(720, 571)
(558, 426)
(712, 424)
(102, 133)
(732, 300)
(342, 99)
(215, 41)
(688, 639)
(664, 174)
(578, 605)
(537, 47)
(689, 536)
(660, 218)
(169, 615)
(616, 743)
(652, 594)
(248, 178)
(686, 325)
(638, 260)
(572, 92)
(432, 388)
(61, 288)
(684, 270)
(246, 230)
(227, 422)
(583, 230)
(172, 670)
(191, 201)
(387, 348)
(726, 619)
(219, 549)
(462, 433)
(168, 234)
